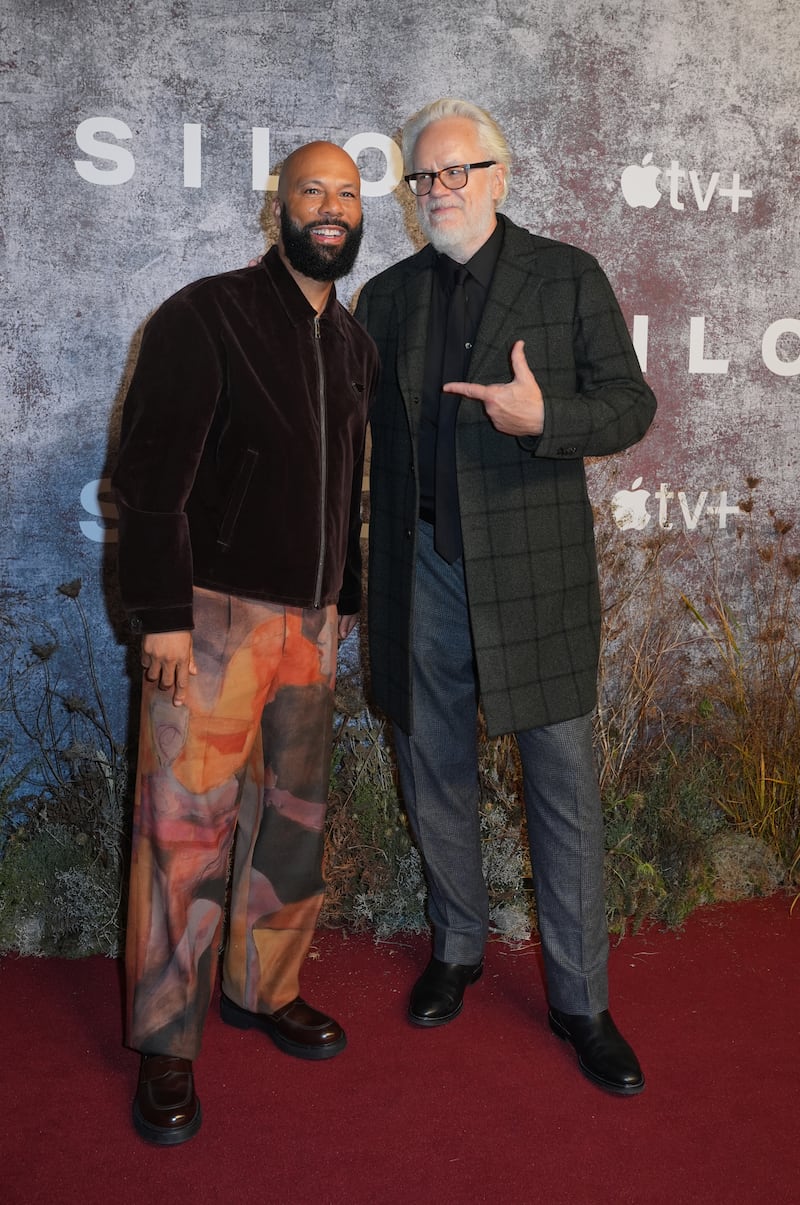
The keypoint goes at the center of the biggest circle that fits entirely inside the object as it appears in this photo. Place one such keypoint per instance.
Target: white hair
(491, 137)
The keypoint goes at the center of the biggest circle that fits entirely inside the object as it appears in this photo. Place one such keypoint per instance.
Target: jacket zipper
(323, 437)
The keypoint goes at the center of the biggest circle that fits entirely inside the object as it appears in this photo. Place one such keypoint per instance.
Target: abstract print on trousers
(248, 754)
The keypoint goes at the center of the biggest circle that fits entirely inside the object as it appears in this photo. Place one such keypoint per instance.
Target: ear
(276, 209)
(498, 181)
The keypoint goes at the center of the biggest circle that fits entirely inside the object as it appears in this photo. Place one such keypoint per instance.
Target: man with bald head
(238, 486)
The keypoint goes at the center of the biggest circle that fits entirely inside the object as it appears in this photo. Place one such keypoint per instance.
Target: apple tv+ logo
(640, 188)
(631, 512)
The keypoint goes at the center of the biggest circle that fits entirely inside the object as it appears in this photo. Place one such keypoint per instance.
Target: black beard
(309, 258)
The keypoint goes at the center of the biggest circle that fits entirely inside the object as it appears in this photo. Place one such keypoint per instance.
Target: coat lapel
(515, 274)
(414, 308)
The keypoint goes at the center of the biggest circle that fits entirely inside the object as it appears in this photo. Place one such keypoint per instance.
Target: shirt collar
(482, 264)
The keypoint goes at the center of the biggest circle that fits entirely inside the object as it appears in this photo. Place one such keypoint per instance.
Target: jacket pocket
(238, 494)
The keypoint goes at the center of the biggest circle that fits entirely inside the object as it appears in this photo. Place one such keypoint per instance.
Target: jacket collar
(290, 296)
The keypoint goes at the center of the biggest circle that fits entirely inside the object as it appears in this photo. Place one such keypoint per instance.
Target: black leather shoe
(297, 1028)
(604, 1056)
(438, 995)
(165, 1108)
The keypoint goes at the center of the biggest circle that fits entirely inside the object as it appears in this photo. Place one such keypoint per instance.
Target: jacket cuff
(167, 619)
(349, 602)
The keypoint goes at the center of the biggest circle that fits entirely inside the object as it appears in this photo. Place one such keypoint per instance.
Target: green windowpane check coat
(529, 552)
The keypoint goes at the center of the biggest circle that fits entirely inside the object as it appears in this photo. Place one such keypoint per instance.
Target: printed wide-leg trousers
(247, 759)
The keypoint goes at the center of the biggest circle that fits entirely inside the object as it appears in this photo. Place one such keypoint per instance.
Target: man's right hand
(168, 660)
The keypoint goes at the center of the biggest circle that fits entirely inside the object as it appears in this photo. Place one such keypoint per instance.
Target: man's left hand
(516, 408)
(346, 625)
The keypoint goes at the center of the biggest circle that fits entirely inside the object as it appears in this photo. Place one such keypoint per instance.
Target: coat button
(408, 533)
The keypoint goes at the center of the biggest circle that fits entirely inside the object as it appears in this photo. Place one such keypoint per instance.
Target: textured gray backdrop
(129, 169)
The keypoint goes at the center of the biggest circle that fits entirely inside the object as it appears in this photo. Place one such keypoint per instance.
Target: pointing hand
(516, 408)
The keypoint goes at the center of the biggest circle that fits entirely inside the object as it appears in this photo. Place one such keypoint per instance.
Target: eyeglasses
(421, 183)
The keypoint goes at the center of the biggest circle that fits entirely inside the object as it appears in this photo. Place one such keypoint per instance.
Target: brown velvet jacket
(241, 450)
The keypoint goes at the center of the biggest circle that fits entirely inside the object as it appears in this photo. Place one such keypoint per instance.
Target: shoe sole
(239, 1018)
(597, 1080)
(164, 1136)
(433, 1022)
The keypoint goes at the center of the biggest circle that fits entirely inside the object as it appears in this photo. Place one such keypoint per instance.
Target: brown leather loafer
(297, 1028)
(165, 1109)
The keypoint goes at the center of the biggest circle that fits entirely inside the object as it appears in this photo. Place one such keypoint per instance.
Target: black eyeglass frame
(465, 167)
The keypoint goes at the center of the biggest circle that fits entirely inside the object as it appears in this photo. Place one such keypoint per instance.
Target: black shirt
(481, 270)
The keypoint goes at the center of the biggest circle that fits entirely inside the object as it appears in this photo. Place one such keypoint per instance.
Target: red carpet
(488, 1109)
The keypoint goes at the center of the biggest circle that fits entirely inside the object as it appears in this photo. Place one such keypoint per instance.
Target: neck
(316, 292)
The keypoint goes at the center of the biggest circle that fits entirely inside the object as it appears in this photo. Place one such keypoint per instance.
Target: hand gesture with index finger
(515, 408)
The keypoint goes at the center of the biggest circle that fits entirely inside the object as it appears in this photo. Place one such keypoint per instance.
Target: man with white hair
(505, 362)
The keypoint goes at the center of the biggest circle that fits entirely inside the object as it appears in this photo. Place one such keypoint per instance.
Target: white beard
(466, 234)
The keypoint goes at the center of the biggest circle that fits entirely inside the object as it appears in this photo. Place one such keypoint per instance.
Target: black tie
(447, 529)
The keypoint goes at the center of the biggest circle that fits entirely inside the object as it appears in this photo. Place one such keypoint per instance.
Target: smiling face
(319, 210)
(457, 221)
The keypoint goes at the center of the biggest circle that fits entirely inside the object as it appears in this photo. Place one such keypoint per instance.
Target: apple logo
(630, 507)
(639, 184)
